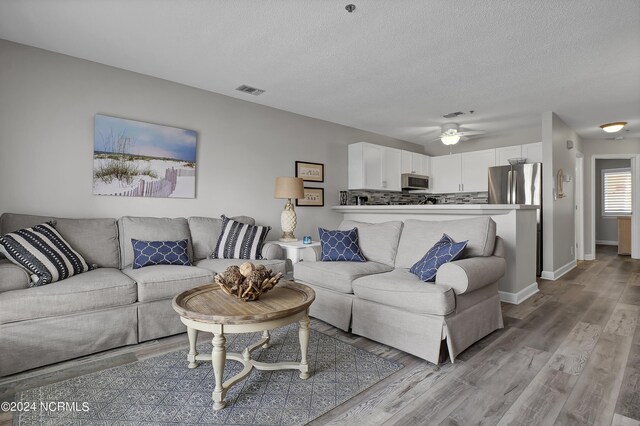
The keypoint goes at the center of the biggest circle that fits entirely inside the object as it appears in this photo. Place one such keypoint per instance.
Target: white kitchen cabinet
(391, 169)
(475, 166)
(413, 162)
(446, 173)
(532, 152)
(426, 165)
(374, 167)
(504, 154)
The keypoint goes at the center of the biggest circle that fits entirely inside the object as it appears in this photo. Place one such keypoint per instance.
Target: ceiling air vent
(250, 90)
(453, 114)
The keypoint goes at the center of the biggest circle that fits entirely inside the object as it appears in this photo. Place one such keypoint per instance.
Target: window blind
(616, 189)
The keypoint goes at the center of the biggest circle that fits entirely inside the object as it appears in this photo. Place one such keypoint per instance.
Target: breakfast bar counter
(515, 223)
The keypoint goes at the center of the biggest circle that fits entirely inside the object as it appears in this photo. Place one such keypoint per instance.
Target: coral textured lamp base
(288, 221)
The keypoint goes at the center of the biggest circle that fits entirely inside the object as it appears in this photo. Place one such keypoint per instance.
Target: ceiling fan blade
(472, 133)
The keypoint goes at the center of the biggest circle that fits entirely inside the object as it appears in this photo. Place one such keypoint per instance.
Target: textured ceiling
(390, 67)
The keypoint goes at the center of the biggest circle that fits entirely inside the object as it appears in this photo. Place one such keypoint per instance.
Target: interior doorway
(607, 168)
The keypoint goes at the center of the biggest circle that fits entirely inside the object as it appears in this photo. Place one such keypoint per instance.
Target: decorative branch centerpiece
(247, 281)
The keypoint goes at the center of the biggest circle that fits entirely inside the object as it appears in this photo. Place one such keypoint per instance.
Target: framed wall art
(138, 159)
(310, 172)
(313, 197)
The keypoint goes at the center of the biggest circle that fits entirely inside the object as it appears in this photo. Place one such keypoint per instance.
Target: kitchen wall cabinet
(379, 167)
(505, 153)
(415, 163)
(446, 173)
(374, 167)
(532, 152)
(474, 167)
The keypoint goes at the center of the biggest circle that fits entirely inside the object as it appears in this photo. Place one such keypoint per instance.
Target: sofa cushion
(205, 232)
(43, 252)
(95, 239)
(148, 253)
(378, 241)
(444, 251)
(401, 289)
(97, 289)
(240, 240)
(150, 229)
(220, 265)
(420, 235)
(13, 277)
(336, 276)
(165, 281)
(340, 246)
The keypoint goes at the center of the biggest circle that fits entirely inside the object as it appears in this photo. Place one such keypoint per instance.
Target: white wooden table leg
(193, 353)
(265, 335)
(218, 357)
(303, 335)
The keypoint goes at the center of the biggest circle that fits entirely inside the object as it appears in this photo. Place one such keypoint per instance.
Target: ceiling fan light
(450, 139)
(613, 127)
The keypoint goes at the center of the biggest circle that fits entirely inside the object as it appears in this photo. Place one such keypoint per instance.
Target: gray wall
(606, 227)
(47, 107)
(558, 215)
(591, 148)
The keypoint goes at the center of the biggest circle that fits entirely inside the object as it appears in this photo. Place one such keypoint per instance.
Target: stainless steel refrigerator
(519, 184)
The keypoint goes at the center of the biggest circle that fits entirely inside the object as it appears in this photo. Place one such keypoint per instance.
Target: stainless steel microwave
(411, 181)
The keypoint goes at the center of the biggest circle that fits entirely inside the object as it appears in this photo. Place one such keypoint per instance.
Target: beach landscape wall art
(138, 159)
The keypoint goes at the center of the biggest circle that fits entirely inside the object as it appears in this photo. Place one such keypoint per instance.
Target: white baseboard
(606, 243)
(554, 275)
(519, 297)
(589, 256)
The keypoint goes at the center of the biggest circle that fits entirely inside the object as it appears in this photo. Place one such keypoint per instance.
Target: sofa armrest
(12, 277)
(311, 254)
(272, 251)
(467, 275)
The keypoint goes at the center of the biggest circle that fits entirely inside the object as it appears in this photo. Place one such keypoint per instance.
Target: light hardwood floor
(568, 355)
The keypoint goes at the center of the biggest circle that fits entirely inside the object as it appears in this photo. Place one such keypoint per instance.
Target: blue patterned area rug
(163, 391)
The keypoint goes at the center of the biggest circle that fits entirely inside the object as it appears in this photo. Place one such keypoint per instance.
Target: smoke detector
(250, 90)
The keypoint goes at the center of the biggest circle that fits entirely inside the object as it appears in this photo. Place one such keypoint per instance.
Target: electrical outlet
(572, 249)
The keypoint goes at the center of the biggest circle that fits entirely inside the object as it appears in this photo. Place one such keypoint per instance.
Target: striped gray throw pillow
(240, 240)
(43, 252)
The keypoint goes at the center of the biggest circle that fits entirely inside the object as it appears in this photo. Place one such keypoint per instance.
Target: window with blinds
(616, 192)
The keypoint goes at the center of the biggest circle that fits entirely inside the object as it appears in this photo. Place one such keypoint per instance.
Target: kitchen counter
(459, 209)
(515, 223)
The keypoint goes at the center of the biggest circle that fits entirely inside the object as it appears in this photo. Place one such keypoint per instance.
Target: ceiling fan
(451, 134)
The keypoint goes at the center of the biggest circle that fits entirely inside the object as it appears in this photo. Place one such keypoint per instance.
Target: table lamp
(288, 188)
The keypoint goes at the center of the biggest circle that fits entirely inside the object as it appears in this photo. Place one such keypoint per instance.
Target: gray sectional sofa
(381, 300)
(113, 305)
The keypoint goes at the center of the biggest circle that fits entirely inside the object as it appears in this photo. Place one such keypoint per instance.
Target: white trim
(579, 210)
(606, 243)
(519, 297)
(589, 256)
(554, 275)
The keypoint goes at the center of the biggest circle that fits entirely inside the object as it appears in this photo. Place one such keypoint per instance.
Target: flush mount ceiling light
(613, 127)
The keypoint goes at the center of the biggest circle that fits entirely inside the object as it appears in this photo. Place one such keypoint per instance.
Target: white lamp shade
(450, 139)
(289, 187)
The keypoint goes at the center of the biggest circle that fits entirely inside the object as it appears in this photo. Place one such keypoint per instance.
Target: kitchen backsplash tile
(408, 198)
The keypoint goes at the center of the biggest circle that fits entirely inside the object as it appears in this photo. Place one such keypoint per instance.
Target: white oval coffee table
(209, 309)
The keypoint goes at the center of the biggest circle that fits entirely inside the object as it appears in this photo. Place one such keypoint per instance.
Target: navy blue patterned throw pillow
(340, 246)
(146, 253)
(445, 250)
